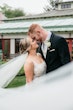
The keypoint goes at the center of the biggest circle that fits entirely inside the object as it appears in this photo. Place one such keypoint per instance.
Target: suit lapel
(47, 54)
(51, 40)
(42, 54)
(40, 50)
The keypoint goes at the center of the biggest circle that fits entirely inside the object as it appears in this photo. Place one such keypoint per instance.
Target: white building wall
(12, 46)
(14, 36)
(21, 36)
(72, 6)
(59, 6)
(65, 34)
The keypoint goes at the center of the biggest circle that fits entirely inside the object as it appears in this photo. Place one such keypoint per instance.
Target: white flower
(47, 43)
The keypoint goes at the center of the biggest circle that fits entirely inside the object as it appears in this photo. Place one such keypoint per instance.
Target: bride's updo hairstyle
(24, 45)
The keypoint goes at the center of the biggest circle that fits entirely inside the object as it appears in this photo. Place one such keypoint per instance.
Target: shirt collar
(48, 37)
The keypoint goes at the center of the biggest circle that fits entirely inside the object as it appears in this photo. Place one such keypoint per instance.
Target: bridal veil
(53, 91)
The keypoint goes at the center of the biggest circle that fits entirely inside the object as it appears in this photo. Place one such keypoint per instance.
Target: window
(17, 45)
(63, 6)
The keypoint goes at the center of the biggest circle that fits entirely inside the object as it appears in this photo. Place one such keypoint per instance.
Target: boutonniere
(48, 44)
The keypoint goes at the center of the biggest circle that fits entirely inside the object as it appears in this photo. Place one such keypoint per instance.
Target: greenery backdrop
(19, 80)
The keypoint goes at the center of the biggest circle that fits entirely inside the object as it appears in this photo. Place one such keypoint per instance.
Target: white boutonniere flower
(48, 44)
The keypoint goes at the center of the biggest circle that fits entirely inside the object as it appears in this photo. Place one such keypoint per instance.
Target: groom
(53, 48)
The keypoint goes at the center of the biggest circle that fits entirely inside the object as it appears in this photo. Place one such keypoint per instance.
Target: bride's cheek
(37, 46)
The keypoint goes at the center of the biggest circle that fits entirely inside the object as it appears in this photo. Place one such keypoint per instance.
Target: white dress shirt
(44, 47)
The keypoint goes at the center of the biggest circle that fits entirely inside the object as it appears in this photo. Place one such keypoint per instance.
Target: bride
(34, 66)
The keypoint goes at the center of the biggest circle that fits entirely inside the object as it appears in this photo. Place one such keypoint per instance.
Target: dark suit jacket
(58, 54)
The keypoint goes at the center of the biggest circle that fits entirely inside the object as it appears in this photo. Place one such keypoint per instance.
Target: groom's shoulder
(57, 36)
(56, 39)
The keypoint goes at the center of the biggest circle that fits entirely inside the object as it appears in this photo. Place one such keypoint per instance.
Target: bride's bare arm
(29, 71)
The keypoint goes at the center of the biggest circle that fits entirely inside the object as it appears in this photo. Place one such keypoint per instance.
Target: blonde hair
(24, 45)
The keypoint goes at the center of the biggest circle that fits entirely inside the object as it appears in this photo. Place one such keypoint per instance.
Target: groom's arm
(63, 51)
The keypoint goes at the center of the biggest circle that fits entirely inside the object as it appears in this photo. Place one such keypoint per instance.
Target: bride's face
(33, 43)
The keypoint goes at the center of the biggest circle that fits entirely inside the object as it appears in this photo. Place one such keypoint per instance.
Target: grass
(2, 62)
(17, 81)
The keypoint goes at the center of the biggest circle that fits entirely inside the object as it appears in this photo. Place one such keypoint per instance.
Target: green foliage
(51, 5)
(17, 81)
(2, 62)
(21, 72)
(11, 13)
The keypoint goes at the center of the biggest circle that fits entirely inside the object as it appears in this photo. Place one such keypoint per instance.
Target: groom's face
(36, 36)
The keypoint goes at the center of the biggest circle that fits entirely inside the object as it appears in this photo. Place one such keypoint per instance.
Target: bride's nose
(35, 41)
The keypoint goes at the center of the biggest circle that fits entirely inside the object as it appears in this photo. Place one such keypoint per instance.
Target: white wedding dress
(53, 91)
(39, 69)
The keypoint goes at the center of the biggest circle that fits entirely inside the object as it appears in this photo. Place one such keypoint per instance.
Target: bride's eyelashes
(33, 39)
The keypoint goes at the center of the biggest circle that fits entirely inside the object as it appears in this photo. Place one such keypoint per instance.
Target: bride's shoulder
(28, 67)
(28, 63)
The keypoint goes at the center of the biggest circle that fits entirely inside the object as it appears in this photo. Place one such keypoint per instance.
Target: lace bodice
(39, 69)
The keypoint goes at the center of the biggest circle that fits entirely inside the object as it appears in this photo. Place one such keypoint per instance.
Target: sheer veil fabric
(53, 91)
(10, 69)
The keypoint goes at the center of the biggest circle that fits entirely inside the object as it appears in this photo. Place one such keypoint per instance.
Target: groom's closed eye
(33, 39)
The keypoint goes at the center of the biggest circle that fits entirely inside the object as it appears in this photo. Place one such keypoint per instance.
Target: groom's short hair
(32, 28)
